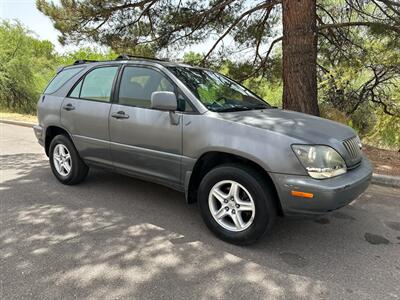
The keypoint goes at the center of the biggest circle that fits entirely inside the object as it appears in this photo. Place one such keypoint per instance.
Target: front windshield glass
(217, 92)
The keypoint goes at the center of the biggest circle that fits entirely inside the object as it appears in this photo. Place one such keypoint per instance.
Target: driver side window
(137, 85)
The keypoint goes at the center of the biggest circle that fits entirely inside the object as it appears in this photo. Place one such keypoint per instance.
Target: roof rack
(129, 57)
(84, 61)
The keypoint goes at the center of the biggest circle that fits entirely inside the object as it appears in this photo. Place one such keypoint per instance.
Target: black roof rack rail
(129, 57)
(84, 61)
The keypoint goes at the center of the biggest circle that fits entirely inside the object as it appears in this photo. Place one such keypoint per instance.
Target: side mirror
(164, 101)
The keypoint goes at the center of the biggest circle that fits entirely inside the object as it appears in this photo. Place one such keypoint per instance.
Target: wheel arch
(51, 132)
(210, 160)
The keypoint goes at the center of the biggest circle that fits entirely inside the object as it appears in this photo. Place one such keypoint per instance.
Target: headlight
(320, 161)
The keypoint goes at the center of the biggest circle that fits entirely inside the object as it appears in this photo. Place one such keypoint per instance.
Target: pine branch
(355, 24)
(389, 2)
(237, 21)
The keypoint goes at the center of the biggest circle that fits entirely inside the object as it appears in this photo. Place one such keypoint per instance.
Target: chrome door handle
(68, 107)
(120, 115)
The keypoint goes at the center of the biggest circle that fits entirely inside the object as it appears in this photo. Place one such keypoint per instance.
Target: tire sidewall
(264, 208)
(63, 140)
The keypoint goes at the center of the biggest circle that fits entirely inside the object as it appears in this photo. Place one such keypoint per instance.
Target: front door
(145, 141)
(85, 114)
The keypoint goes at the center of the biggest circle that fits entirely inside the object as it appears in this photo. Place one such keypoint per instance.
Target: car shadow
(114, 236)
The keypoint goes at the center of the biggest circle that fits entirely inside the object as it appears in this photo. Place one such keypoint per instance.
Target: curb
(19, 123)
(386, 180)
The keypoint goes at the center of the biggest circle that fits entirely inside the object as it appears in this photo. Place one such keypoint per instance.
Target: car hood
(307, 128)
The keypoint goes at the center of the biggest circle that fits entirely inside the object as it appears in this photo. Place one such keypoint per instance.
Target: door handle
(120, 115)
(68, 107)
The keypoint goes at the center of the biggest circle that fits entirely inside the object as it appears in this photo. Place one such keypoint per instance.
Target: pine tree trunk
(300, 56)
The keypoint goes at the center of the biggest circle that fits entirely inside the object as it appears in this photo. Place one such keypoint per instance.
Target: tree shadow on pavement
(117, 237)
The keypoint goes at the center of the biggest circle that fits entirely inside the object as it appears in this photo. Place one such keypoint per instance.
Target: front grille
(352, 147)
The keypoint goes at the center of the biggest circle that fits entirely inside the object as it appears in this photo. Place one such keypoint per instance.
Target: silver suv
(201, 133)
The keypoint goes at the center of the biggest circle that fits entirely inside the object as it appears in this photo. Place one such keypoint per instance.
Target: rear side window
(61, 78)
(97, 85)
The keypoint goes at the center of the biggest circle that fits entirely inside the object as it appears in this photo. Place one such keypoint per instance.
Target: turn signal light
(302, 194)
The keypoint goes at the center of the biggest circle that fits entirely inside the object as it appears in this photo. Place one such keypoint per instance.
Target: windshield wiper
(241, 108)
(259, 107)
(230, 109)
(238, 108)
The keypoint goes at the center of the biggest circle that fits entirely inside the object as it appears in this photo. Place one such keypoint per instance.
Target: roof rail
(129, 57)
(84, 61)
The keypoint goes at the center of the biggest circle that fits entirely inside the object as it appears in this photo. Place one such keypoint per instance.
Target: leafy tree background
(27, 65)
(358, 63)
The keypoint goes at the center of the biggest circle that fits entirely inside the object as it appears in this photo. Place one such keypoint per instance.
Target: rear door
(85, 112)
(145, 141)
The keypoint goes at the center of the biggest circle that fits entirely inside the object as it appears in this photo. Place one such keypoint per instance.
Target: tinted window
(97, 84)
(137, 85)
(77, 90)
(60, 79)
(183, 104)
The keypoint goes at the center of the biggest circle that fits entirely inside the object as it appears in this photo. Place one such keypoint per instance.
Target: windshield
(217, 92)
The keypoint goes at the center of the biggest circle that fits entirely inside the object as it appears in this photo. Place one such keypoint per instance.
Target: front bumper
(329, 194)
(39, 134)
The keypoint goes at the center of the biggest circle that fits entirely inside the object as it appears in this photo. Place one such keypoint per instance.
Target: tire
(220, 180)
(77, 168)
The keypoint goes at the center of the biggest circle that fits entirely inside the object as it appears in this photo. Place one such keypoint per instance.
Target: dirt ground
(386, 162)
(17, 117)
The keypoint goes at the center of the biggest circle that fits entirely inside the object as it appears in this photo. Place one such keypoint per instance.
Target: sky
(26, 12)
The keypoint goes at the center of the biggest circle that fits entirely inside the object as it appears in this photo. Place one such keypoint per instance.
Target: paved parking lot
(115, 237)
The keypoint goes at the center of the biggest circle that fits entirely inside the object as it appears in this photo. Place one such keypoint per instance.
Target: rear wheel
(65, 162)
(236, 203)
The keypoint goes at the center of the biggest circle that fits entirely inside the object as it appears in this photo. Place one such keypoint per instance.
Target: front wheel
(65, 162)
(236, 203)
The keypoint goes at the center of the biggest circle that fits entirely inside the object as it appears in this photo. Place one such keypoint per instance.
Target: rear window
(61, 78)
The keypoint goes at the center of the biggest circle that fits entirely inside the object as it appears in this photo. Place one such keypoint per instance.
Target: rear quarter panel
(49, 107)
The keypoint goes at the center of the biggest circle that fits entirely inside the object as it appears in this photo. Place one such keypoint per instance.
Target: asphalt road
(115, 237)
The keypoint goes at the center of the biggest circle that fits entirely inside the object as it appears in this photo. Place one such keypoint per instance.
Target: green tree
(25, 67)
(167, 24)
(359, 67)
(193, 58)
(85, 53)
(27, 64)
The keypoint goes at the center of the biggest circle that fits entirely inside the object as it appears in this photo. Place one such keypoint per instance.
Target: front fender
(270, 150)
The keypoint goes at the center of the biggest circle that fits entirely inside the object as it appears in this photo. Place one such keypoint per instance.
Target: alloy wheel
(231, 205)
(62, 160)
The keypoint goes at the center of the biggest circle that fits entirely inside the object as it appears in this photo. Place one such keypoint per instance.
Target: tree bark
(300, 56)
